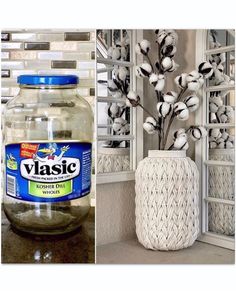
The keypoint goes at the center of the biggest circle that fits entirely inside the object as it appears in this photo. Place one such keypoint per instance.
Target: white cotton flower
(163, 109)
(178, 132)
(153, 79)
(195, 81)
(120, 126)
(143, 47)
(150, 125)
(206, 69)
(181, 142)
(213, 118)
(214, 103)
(214, 134)
(161, 35)
(116, 54)
(225, 113)
(212, 144)
(181, 111)
(168, 50)
(220, 143)
(169, 64)
(166, 63)
(192, 102)
(160, 82)
(113, 110)
(122, 73)
(143, 70)
(132, 99)
(196, 133)
(170, 97)
(181, 81)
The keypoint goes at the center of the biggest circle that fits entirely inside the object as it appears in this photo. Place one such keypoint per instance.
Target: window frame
(136, 117)
(201, 148)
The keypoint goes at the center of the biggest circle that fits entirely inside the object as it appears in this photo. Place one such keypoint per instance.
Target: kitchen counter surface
(131, 252)
(77, 247)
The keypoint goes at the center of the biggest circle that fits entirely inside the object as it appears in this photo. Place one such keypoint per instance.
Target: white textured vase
(221, 185)
(113, 160)
(167, 204)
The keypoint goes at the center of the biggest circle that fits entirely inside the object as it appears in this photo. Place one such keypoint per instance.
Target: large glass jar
(48, 135)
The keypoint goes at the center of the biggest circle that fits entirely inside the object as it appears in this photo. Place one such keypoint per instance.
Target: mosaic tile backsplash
(47, 52)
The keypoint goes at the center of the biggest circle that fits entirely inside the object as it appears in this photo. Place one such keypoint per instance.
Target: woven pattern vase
(167, 205)
(113, 160)
(221, 185)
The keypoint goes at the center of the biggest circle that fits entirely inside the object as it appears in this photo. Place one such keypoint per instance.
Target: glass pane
(218, 38)
(224, 68)
(222, 107)
(221, 186)
(113, 156)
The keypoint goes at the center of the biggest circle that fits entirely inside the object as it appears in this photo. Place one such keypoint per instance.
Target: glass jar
(48, 134)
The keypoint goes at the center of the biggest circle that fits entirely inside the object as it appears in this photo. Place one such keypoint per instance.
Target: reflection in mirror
(113, 116)
(221, 187)
(113, 156)
(218, 38)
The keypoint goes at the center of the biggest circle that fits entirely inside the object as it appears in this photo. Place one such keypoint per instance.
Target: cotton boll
(214, 103)
(196, 133)
(153, 79)
(170, 97)
(181, 142)
(169, 64)
(132, 99)
(225, 113)
(220, 143)
(194, 80)
(110, 51)
(150, 125)
(116, 54)
(178, 133)
(192, 103)
(145, 46)
(181, 111)
(114, 110)
(122, 73)
(213, 144)
(119, 126)
(181, 81)
(161, 35)
(213, 118)
(168, 50)
(215, 133)
(160, 83)
(225, 135)
(166, 63)
(143, 70)
(163, 109)
(206, 69)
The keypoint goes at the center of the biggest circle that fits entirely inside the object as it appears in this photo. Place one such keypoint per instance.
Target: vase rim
(166, 154)
(114, 151)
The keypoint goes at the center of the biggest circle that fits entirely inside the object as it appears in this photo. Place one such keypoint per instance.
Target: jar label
(49, 171)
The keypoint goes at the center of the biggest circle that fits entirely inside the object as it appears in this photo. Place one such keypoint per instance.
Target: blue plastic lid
(47, 80)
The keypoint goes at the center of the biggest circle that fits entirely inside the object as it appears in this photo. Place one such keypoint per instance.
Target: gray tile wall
(48, 52)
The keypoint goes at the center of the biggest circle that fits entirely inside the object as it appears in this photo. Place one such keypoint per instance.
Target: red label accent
(27, 150)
